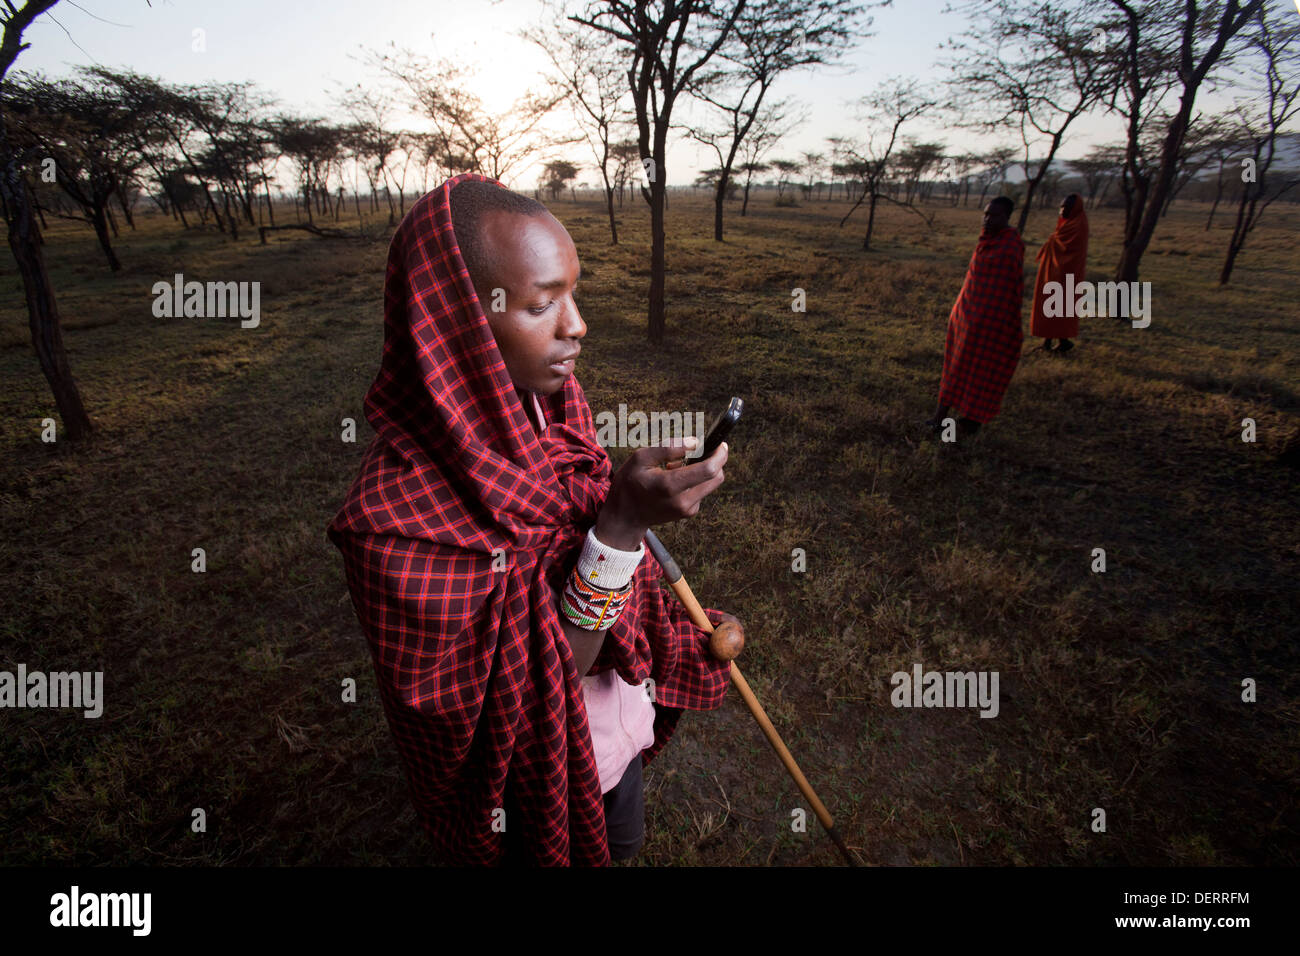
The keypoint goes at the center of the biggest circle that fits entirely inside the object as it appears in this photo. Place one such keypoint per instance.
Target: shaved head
(1007, 203)
(525, 271)
(470, 203)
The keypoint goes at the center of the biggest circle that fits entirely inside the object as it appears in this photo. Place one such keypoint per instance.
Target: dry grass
(1119, 690)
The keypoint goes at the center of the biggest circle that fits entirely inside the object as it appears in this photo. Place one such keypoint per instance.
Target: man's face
(1066, 205)
(534, 261)
(995, 217)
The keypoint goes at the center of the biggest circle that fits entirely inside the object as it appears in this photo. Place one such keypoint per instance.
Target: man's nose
(571, 324)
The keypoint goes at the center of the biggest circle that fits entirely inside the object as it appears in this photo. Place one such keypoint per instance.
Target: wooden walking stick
(725, 643)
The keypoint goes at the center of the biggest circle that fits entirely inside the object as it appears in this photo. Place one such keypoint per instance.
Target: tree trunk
(126, 210)
(212, 206)
(98, 220)
(871, 224)
(231, 217)
(658, 258)
(1229, 261)
(1240, 229)
(1218, 194)
(1032, 185)
(609, 206)
(718, 196)
(42, 311)
(270, 204)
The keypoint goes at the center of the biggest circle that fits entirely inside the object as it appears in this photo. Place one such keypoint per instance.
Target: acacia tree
(1277, 46)
(773, 123)
(913, 163)
(1165, 46)
(1051, 185)
(557, 175)
(1192, 157)
(162, 137)
(1031, 65)
(771, 38)
(591, 74)
(84, 130)
(1099, 167)
(995, 164)
(470, 137)
(222, 132)
(867, 162)
(785, 171)
(668, 43)
(314, 147)
(1224, 151)
(963, 167)
(813, 164)
(25, 239)
(371, 141)
(626, 155)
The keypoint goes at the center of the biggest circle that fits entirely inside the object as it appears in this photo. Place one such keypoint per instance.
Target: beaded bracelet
(592, 608)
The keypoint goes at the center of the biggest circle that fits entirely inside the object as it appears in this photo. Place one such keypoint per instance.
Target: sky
(304, 52)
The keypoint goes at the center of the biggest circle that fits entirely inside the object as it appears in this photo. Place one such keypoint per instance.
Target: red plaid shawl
(984, 329)
(474, 671)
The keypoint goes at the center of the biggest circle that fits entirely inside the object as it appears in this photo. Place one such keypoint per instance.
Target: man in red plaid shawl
(984, 327)
(483, 493)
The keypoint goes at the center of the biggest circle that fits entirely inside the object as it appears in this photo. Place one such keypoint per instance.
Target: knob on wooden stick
(727, 641)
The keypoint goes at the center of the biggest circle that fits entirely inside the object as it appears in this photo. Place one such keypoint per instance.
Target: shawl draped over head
(456, 535)
(1065, 253)
(984, 328)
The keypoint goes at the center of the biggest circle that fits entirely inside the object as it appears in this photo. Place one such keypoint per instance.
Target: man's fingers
(685, 476)
(664, 454)
(694, 495)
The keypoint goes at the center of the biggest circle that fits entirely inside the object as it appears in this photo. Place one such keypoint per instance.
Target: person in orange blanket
(1064, 254)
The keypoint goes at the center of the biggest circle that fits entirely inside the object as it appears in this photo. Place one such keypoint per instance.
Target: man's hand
(645, 492)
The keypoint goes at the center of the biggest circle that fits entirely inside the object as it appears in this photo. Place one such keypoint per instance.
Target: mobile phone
(721, 428)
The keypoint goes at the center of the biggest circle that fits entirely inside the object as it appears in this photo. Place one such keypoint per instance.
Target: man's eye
(539, 309)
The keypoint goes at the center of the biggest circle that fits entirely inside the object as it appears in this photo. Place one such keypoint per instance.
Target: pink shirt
(621, 719)
(620, 715)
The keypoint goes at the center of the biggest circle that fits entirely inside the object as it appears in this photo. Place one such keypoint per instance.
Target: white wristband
(605, 567)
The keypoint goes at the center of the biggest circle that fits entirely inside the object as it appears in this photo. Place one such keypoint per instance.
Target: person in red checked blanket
(528, 660)
(985, 332)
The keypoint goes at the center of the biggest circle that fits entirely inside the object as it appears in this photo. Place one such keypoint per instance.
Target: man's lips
(565, 365)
